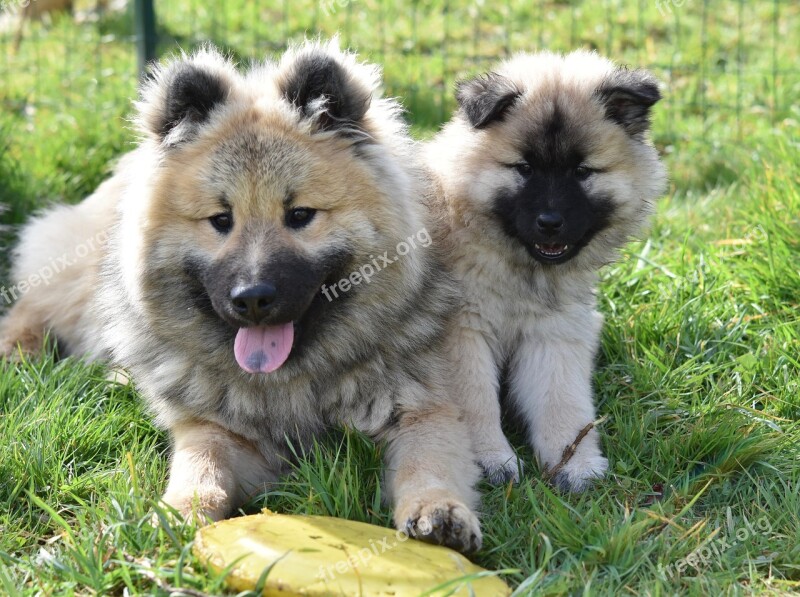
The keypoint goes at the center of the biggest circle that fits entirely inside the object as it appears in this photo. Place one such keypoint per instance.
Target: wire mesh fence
(729, 68)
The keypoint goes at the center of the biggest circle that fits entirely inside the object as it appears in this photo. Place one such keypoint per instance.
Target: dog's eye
(524, 168)
(299, 217)
(584, 172)
(222, 223)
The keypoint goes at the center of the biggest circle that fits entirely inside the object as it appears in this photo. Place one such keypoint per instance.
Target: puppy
(542, 175)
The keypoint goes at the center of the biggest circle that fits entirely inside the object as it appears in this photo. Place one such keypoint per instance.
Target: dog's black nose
(253, 302)
(549, 222)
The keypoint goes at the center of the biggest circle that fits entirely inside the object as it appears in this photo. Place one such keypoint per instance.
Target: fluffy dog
(248, 195)
(543, 173)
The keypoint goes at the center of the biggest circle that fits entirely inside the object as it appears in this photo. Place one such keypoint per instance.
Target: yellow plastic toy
(317, 555)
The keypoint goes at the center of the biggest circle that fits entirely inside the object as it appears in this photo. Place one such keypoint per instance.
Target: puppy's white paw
(500, 466)
(578, 474)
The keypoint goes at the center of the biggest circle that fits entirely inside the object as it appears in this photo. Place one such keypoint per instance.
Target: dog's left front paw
(580, 472)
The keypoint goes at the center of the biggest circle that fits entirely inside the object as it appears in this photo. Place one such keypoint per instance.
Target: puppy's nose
(549, 222)
(253, 302)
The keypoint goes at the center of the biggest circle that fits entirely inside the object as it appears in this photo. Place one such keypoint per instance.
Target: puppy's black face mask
(551, 214)
(552, 211)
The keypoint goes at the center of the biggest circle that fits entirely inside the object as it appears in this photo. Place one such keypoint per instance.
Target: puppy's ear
(327, 85)
(180, 96)
(628, 96)
(485, 99)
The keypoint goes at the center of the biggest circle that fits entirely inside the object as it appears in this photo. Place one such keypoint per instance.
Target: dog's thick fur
(545, 152)
(308, 133)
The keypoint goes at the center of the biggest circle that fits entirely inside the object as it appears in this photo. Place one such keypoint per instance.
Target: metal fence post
(145, 18)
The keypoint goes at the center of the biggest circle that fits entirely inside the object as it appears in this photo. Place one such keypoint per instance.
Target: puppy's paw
(444, 521)
(578, 474)
(118, 375)
(203, 507)
(6, 350)
(14, 351)
(18, 341)
(500, 466)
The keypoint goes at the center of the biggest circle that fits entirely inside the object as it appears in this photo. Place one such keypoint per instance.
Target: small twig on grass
(570, 450)
(146, 570)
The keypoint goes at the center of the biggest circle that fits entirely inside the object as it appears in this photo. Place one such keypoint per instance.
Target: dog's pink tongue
(263, 349)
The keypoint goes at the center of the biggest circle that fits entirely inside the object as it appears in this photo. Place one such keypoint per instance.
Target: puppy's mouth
(552, 251)
(264, 348)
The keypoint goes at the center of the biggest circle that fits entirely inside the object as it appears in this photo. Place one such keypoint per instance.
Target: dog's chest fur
(517, 294)
(358, 370)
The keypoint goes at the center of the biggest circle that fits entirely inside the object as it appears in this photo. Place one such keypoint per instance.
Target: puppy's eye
(222, 223)
(584, 172)
(523, 168)
(299, 217)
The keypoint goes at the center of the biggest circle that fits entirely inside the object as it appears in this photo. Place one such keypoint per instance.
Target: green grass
(699, 375)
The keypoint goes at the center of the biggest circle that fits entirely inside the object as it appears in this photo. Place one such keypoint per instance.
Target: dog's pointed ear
(328, 85)
(180, 96)
(485, 99)
(627, 96)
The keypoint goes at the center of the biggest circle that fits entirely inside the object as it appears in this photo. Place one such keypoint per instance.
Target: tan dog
(268, 274)
(543, 174)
